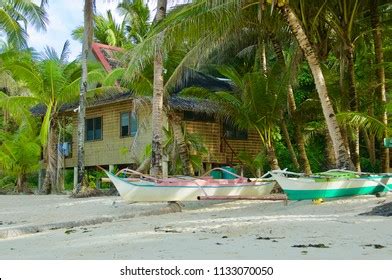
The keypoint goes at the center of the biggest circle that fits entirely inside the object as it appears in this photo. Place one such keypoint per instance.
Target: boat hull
(188, 191)
(309, 188)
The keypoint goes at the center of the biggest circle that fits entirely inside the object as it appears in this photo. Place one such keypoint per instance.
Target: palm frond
(363, 121)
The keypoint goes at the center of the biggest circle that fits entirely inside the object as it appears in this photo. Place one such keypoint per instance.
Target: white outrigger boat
(331, 184)
(149, 189)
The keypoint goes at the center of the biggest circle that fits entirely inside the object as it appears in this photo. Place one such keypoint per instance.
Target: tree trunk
(86, 47)
(370, 148)
(302, 151)
(271, 156)
(21, 184)
(50, 182)
(287, 139)
(342, 156)
(183, 150)
(144, 166)
(330, 155)
(353, 105)
(292, 110)
(380, 72)
(157, 101)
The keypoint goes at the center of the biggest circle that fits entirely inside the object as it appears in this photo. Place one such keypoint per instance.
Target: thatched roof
(107, 56)
(175, 102)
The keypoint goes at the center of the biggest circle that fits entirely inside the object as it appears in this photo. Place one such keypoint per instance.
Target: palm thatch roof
(108, 57)
(174, 102)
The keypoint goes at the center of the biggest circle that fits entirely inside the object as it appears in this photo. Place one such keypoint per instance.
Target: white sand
(204, 230)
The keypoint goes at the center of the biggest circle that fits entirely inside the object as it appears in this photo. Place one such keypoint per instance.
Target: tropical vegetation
(312, 78)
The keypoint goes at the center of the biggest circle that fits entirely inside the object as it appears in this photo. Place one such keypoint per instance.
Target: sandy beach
(58, 227)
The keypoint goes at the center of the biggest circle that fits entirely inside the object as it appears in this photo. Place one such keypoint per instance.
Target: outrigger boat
(331, 184)
(146, 188)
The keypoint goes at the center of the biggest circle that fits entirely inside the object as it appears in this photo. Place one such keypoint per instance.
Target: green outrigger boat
(331, 184)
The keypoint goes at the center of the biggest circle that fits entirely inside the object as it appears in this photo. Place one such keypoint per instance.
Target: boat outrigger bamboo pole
(271, 197)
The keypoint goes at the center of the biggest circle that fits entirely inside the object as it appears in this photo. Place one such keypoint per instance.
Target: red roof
(104, 54)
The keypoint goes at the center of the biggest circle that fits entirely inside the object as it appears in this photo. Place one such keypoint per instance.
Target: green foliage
(253, 163)
(16, 14)
(197, 150)
(7, 183)
(364, 121)
(19, 151)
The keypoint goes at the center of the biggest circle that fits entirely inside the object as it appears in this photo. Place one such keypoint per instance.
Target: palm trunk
(330, 156)
(292, 110)
(271, 156)
(342, 156)
(289, 147)
(353, 105)
(377, 37)
(175, 122)
(50, 182)
(87, 41)
(144, 166)
(21, 183)
(370, 148)
(157, 103)
(343, 93)
(302, 151)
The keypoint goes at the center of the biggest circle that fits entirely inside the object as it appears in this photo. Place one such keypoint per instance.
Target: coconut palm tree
(255, 104)
(343, 18)
(136, 17)
(208, 25)
(342, 156)
(380, 71)
(86, 49)
(157, 99)
(16, 14)
(106, 31)
(52, 82)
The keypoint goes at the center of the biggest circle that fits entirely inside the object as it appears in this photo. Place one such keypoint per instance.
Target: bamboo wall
(112, 149)
(219, 150)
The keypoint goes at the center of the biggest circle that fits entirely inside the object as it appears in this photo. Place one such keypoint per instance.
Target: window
(94, 129)
(234, 133)
(128, 124)
(198, 117)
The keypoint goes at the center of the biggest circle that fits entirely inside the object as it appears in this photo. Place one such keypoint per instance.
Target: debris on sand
(88, 192)
(167, 230)
(375, 246)
(384, 210)
(320, 245)
(69, 231)
(268, 238)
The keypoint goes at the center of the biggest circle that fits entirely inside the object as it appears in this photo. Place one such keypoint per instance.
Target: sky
(64, 16)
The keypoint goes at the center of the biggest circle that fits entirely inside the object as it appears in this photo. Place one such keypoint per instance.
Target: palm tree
(16, 14)
(52, 82)
(136, 16)
(208, 25)
(157, 100)
(342, 156)
(106, 31)
(255, 104)
(86, 48)
(292, 108)
(342, 17)
(379, 56)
